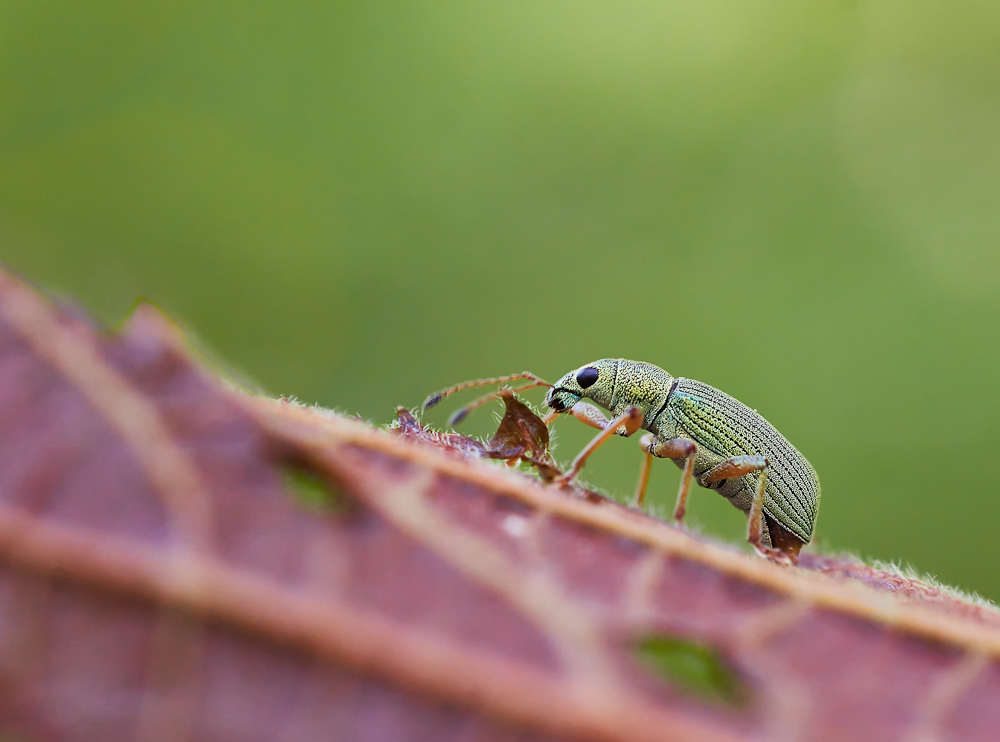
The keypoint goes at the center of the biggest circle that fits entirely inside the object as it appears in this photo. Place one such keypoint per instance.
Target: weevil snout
(578, 384)
(561, 400)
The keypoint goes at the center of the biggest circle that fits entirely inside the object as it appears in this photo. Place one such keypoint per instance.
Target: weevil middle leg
(681, 448)
(671, 448)
(588, 414)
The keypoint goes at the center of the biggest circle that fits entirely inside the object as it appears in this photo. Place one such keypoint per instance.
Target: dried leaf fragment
(522, 435)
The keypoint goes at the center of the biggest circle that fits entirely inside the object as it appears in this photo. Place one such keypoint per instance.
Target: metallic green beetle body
(720, 426)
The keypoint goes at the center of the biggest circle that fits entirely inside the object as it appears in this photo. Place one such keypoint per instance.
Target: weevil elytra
(715, 439)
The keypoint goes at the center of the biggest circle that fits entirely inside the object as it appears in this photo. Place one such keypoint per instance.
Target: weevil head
(594, 381)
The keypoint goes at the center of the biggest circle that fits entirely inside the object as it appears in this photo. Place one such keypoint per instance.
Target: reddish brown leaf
(160, 579)
(410, 428)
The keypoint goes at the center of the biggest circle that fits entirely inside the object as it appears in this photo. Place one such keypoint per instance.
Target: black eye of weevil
(586, 377)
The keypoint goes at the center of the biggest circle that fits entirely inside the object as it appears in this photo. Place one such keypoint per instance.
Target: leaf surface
(179, 560)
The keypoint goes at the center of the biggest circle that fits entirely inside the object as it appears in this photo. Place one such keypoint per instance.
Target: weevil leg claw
(775, 556)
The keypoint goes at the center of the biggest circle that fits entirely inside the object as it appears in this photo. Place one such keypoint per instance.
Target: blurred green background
(360, 203)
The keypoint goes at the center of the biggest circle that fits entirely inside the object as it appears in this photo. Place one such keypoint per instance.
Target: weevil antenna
(438, 396)
(461, 413)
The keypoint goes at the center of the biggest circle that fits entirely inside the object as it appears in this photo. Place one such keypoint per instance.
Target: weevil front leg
(585, 412)
(624, 424)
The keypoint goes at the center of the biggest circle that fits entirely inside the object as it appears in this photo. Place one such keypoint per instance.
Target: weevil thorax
(642, 385)
(615, 384)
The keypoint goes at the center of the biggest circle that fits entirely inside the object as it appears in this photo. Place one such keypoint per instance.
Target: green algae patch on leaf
(310, 490)
(694, 668)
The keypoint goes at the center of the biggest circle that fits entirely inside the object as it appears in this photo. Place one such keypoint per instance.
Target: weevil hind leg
(758, 538)
(768, 538)
(736, 466)
(758, 532)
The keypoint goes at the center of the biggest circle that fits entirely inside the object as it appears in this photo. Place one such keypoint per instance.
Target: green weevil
(715, 439)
